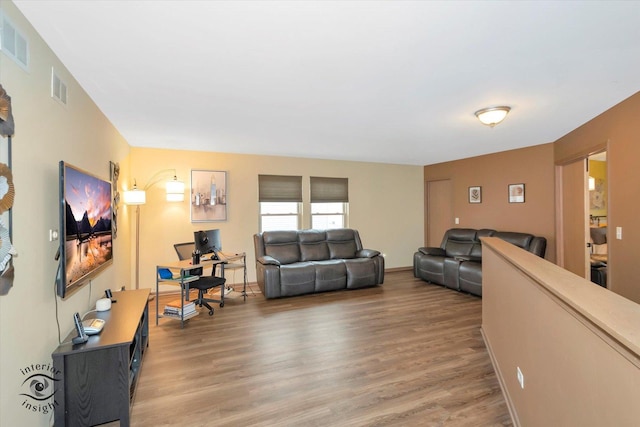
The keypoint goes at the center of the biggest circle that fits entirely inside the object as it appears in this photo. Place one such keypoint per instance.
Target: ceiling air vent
(13, 43)
(58, 88)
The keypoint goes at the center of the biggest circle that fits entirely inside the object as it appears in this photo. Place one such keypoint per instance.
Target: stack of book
(175, 309)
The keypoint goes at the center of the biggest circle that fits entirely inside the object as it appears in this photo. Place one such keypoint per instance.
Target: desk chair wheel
(211, 312)
(221, 304)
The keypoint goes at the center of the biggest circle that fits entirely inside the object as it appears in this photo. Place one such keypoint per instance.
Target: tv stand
(98, 378)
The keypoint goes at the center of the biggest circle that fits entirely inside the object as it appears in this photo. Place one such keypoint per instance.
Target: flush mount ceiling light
(493, 115)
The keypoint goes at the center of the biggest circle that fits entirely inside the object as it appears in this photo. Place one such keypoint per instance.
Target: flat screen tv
(85, 228)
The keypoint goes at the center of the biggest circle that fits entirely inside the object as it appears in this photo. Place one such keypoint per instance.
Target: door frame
(559, 189)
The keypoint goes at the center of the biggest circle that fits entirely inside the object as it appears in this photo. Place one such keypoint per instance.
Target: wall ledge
(615, 318)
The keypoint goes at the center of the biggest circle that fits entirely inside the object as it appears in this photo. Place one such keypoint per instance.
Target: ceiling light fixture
(493, 115)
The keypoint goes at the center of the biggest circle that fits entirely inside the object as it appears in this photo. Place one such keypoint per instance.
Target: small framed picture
(475, 194)
(516, 193)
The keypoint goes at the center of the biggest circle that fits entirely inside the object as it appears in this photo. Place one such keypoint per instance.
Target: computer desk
(185, 266)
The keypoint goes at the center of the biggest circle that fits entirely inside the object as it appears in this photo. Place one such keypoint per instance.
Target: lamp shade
(175, 190)
(135, 197)
(493, 115)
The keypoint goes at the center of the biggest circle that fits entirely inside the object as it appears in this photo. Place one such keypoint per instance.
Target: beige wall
(575, 343)
(385, 204)
(532, 166)
(617, 129)
(46, 132)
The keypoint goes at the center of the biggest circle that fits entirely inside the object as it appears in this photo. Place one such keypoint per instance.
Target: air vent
(58, 88)
(13, 43)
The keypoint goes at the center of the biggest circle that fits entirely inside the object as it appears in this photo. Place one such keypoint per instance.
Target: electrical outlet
(520, 377)
(457, 220)
(619, 233)
(53, 235)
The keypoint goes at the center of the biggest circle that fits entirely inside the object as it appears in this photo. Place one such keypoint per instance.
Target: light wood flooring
(406, 353)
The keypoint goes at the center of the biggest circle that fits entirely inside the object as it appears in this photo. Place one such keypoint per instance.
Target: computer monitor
(207, 241)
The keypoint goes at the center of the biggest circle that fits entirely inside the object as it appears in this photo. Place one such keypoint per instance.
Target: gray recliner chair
(457, 263)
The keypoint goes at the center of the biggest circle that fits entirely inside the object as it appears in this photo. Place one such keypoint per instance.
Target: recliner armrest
(367, 253)
(469, 258)
(268, 260)
(433, 251)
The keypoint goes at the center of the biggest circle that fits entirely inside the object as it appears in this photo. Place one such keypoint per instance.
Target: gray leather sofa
(457, 263)
(306, 261)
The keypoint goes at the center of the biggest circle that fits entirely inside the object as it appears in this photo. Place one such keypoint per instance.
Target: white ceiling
(378, 81)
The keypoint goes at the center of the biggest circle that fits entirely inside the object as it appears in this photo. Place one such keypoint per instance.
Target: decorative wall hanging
(516, 193)
(7, 127)
(6, 266)
(208, 196)
(114, 172)
(7, 191)
(475, 194)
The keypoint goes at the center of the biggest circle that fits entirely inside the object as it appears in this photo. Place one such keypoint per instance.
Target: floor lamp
(137, 197)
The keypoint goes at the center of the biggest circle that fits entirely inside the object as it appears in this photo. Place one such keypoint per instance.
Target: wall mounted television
(85, 228)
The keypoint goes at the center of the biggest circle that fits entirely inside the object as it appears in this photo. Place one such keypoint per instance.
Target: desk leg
(223, 290)
(157, 290)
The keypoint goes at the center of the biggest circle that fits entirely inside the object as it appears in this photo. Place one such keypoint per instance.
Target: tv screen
(208, 241)
(85, 228)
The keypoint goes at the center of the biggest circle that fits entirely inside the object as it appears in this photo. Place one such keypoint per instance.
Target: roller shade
(279, 188)
(329, 190)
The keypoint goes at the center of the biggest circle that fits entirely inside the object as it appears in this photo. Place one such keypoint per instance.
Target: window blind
(279, 188)
(328, 190)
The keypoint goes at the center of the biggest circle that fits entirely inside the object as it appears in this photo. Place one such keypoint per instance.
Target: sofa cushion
(470, 278)
(330, 275)
(360, 272)
(341, 243)
(313, 245)
(522, 240)
(282, 245)
(297, 279)
(456, 248)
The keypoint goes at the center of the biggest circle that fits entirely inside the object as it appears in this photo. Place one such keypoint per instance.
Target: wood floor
(406, 353)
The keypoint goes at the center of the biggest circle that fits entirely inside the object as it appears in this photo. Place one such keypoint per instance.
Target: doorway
(582, 193)
(598, 214)
(439, 211)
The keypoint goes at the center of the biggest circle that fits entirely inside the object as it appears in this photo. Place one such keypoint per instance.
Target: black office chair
(204, 283)
(598, 260)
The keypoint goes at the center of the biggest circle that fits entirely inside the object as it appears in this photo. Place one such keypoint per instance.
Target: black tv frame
(97, 237)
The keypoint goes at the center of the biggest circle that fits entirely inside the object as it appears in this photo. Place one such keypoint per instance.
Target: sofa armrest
(268, 260)
(367, 253)
(433, 251)
(469, 258)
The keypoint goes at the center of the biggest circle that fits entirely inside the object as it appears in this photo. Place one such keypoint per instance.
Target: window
(329, 202)
(328, 215)
(280, 197)
(279, 216)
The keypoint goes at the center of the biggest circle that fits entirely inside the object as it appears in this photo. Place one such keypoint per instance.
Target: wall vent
(58, 88)
(13, 43)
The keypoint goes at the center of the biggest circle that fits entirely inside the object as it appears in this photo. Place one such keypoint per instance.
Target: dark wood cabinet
(98, 378)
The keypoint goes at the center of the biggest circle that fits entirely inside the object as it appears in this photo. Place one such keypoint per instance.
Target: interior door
(573, 224)
(439, 211)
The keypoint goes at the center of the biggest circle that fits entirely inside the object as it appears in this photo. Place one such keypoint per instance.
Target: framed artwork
(208, 196)
(516, 193)
(475, 194)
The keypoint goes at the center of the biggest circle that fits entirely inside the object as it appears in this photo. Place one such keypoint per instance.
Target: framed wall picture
(516, 193)
(208, 196)
(475, 194)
